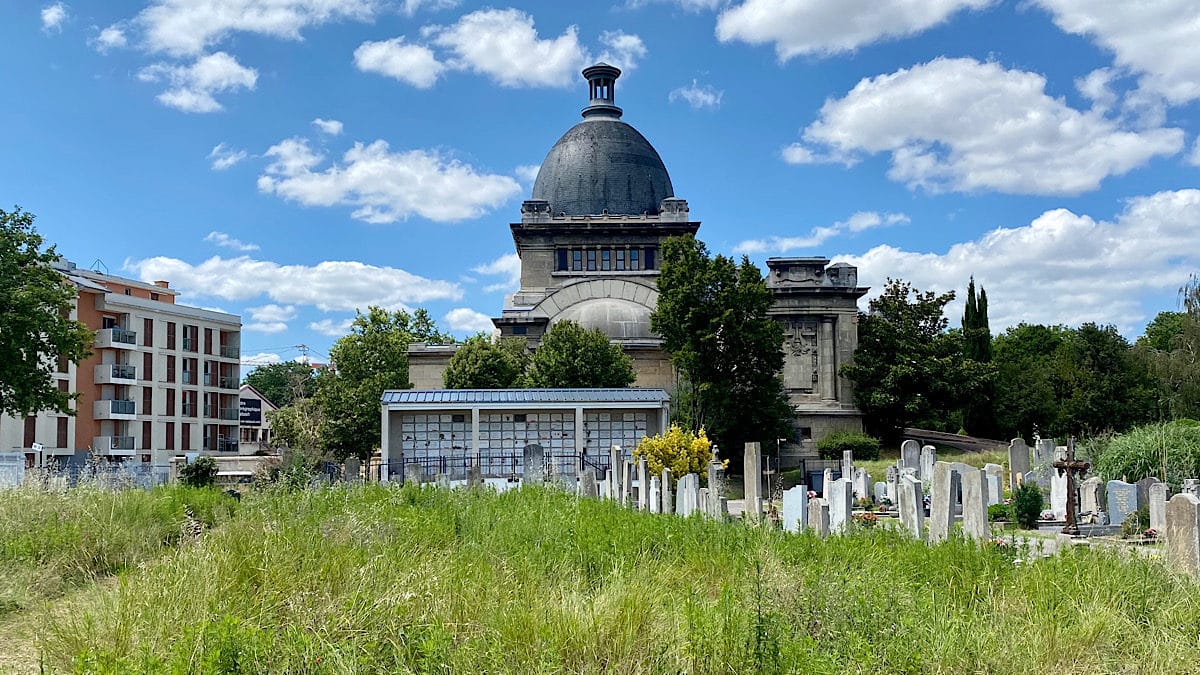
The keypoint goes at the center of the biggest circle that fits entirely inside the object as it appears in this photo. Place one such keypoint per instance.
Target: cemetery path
(19, 653)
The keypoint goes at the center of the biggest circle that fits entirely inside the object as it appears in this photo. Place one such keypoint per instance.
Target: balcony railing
(114, 409)
(112, 444)
(228, 383)
(228, 414)
(189, 409)
(230, 351)
(115, 373)
(189, 344)
(227, 445)
(210, 380)
(116, 337)
(189, 377)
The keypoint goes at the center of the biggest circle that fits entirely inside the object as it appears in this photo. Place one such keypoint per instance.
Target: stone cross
(1072, 469)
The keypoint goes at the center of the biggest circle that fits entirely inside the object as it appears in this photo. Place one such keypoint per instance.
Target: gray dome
(619, 319)
(602, 164)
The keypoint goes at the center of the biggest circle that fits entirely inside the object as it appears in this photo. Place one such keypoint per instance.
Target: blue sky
(292, 160)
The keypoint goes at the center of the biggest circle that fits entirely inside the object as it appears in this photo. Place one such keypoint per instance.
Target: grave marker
(795, 508)
(1182, 533)
(1158, 507)
(941, 508)
(912, 507)
(818, 517)
(840, 506)
(928, 457)
(534, 469)
(1122, 500)
(655, 495)
(1018, 460)
(975, 516)
(910, 454)
(668, 501)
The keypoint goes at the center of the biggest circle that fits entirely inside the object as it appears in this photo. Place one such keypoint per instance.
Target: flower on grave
(1150, 533)
(1047, 515)
(866, 519)
(999, 542)
(812, 494)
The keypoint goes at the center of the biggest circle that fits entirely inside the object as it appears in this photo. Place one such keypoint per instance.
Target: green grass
(878, 468)
(376, 579)
(51, 541)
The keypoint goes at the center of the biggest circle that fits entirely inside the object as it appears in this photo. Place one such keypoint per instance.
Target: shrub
(1026, 505)
(682, 452)
(1135, 524)
(200, 473)
(1170, 450)
(999, 512)
(864, 447)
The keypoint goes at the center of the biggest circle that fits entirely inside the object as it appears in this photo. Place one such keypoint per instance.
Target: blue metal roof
(521, 396)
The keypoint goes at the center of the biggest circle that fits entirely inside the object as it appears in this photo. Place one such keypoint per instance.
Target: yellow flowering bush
(681, 451)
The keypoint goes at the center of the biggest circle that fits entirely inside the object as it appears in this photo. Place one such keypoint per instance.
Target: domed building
(589, 240)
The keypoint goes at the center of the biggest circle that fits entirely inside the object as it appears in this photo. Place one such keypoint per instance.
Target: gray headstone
(1143, 490)
(1018, 460)
(1182, 534)
(643, 477)
(1122, 500)
(668, 501)
(352, 469)
(1158, 506)
(655, 495)
(841, 505)
(1191, 486)
(534, 469)
(717, 489)
(626, 497)
(995, 483)
(413, 473)
(880, 492)
(795, 508)
(1058, 494)
(847, 463)
(975, 515)
(1091, 495)
(941, 507)
(703, 497)
(928, 457)
(603, 489)
(688, 499)
(910, 454)
(818, 517)
(912, 507)
(474, 475)
(443, 481)
(587, 483)
(893, 479)
(1043, 452)
(862, 484)
(752, 474)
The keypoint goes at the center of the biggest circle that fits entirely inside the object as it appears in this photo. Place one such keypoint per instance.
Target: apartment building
(163, 379)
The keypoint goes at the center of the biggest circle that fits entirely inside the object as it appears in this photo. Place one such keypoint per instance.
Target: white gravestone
(862, 484)
(995, 483)
(912, 507)
(795, 508)
(975, 515)
(840, 506)
(928, 457)
(941, 507)
(847, 463)
(1058, 485)
(615, 458)
(1091, 493)
(893, 478)
(668, 501)
(1158, 506)
(880, 492)
(818, 517)
(826, 482)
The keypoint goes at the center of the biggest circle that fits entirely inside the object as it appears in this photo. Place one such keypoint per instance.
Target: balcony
(224, 444)
(188, 377)
(116, 338)
(113, 445)
(115, 373)
(228, 383)
(229, 414)
(230, 352)
(114, 409)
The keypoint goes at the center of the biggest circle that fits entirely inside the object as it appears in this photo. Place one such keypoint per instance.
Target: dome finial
(602, 82)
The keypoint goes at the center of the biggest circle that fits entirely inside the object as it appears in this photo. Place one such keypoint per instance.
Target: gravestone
(1018, 460)
(534, 469)
(1043, 451)
(352, 470)
(995, 483)
(941, 507)
(1158, 506)
(655, 495)
(718, 487)
(643, 502)
(587, 483)
(847, 463)
(474, 475)
(668, 501)
(688, 499)
(1143, 490)
(702, 498)
(795, 508)
(880, 492)
(1091, 495)
(975, 515)
(752, 478)
(912, 507)
(1182, 534)
(840, 506)
(1122, 500)
(1191, 486)
(910, 454)
(928, 457)
(818, 517)
(413, 474)
(626, 482)
(826, 482)
(862, 484)
(893, 479)
(614, 472)
(1058, 491)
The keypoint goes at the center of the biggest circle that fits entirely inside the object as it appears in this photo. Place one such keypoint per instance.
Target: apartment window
(30, 432)
(185, 432)
(620, 259)
(189, 371)
(147, 366)
(170, 335)
(169, 428)
(634, 263)
(146, 434)
(606, 260)
(191, 336)
(63, 364)
(107, 322)
(591, 258)
(63, 385)
(147, 400)
(208, 341)
(170, 410)
(147, 332)
(170, 368)
(576, 260)
(62, 441)
(562, 259)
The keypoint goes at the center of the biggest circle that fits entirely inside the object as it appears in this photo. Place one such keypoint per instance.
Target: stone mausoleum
(589, 241)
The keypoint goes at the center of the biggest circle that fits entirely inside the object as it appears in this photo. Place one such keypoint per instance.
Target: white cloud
(527, 173)
(798, 154)
(465, 320)
(1156, 40)
(504, 45)
(270, 318)
(622, 49)
(689, 5)
(333, 328)
(187, 28)
(328, 286)
(1194, 158)
(385, 186)
(223, 157)
(222, 239)
(1096, 86)
(411, 63)
(1062, 268)
(824, 27)
(331, 127)
(862, 220)
(699, 96)
(112, 37)
(53, 17)
(962, 125)
(192, 87)
(508, 265)
(261, 359)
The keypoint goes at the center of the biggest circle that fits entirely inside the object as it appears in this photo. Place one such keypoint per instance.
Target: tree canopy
(35, 331)
(712, 316)
(481, 363)
(1170, 348)
(282, 383)
(978, 412)
(573, 356)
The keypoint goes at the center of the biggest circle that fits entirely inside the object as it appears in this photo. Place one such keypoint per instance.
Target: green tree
(282, 383)
(481, 363)
(201, 472)
(1170, 348)
(35, 331)
(370, 360)
(908, 370)
(573, 356)
(978, 411)
(726, 349)
(298, 426)
(1164, 332)
(1026, 397)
